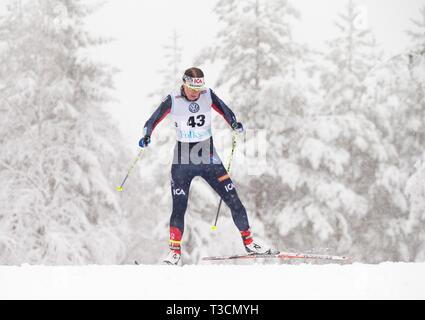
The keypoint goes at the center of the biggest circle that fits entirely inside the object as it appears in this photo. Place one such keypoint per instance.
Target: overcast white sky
(142, 28)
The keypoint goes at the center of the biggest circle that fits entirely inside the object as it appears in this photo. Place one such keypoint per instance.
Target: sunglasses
(194, 89)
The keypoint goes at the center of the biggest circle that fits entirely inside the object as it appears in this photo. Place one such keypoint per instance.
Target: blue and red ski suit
(198, 159)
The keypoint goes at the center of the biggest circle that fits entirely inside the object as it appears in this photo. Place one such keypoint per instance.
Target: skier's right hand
(238, 127)
(145, 141)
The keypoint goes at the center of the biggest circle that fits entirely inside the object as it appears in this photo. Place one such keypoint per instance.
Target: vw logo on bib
(194, 107)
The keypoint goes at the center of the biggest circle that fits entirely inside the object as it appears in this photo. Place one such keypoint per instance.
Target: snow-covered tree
(402, 101)
(415, 190)
(333, 155)
(61, 158)
(418, 34)
(394, 102)
(415, 185)
(172, 71)
(327, 175)
(254, 45)
(350, 56)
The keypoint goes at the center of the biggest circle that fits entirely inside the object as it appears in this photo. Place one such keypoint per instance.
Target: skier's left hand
(238, 127)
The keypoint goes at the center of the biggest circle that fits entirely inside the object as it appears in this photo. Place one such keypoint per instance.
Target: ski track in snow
(215, 282)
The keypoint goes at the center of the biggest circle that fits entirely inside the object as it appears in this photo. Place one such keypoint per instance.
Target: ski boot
(173, 258)
(253, 247)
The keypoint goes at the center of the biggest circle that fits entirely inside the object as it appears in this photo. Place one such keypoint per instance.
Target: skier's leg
(181, 178)
(218, 178)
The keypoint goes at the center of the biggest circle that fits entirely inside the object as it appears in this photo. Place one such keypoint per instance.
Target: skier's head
(193, 83)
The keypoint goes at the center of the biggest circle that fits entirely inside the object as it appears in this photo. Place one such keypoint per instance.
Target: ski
(281, 255)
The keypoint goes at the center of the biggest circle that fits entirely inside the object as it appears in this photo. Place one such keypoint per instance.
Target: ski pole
(120, 188)
(234, 142)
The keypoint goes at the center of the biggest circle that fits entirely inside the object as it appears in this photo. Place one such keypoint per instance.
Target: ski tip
(214, 228)
(119, 189)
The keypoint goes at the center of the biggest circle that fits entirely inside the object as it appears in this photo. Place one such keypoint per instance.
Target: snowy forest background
(345, 170)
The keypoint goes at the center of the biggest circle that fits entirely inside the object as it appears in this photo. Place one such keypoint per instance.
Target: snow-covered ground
(205, 282)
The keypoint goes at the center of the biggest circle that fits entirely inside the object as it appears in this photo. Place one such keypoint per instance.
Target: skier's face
(191, 94)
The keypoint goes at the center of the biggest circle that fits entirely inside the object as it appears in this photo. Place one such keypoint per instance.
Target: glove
(145, 141)
(237, 126)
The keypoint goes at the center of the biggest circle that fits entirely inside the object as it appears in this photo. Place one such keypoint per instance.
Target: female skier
(195, 155)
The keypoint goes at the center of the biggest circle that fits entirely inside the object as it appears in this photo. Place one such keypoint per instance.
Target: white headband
(194, 83)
